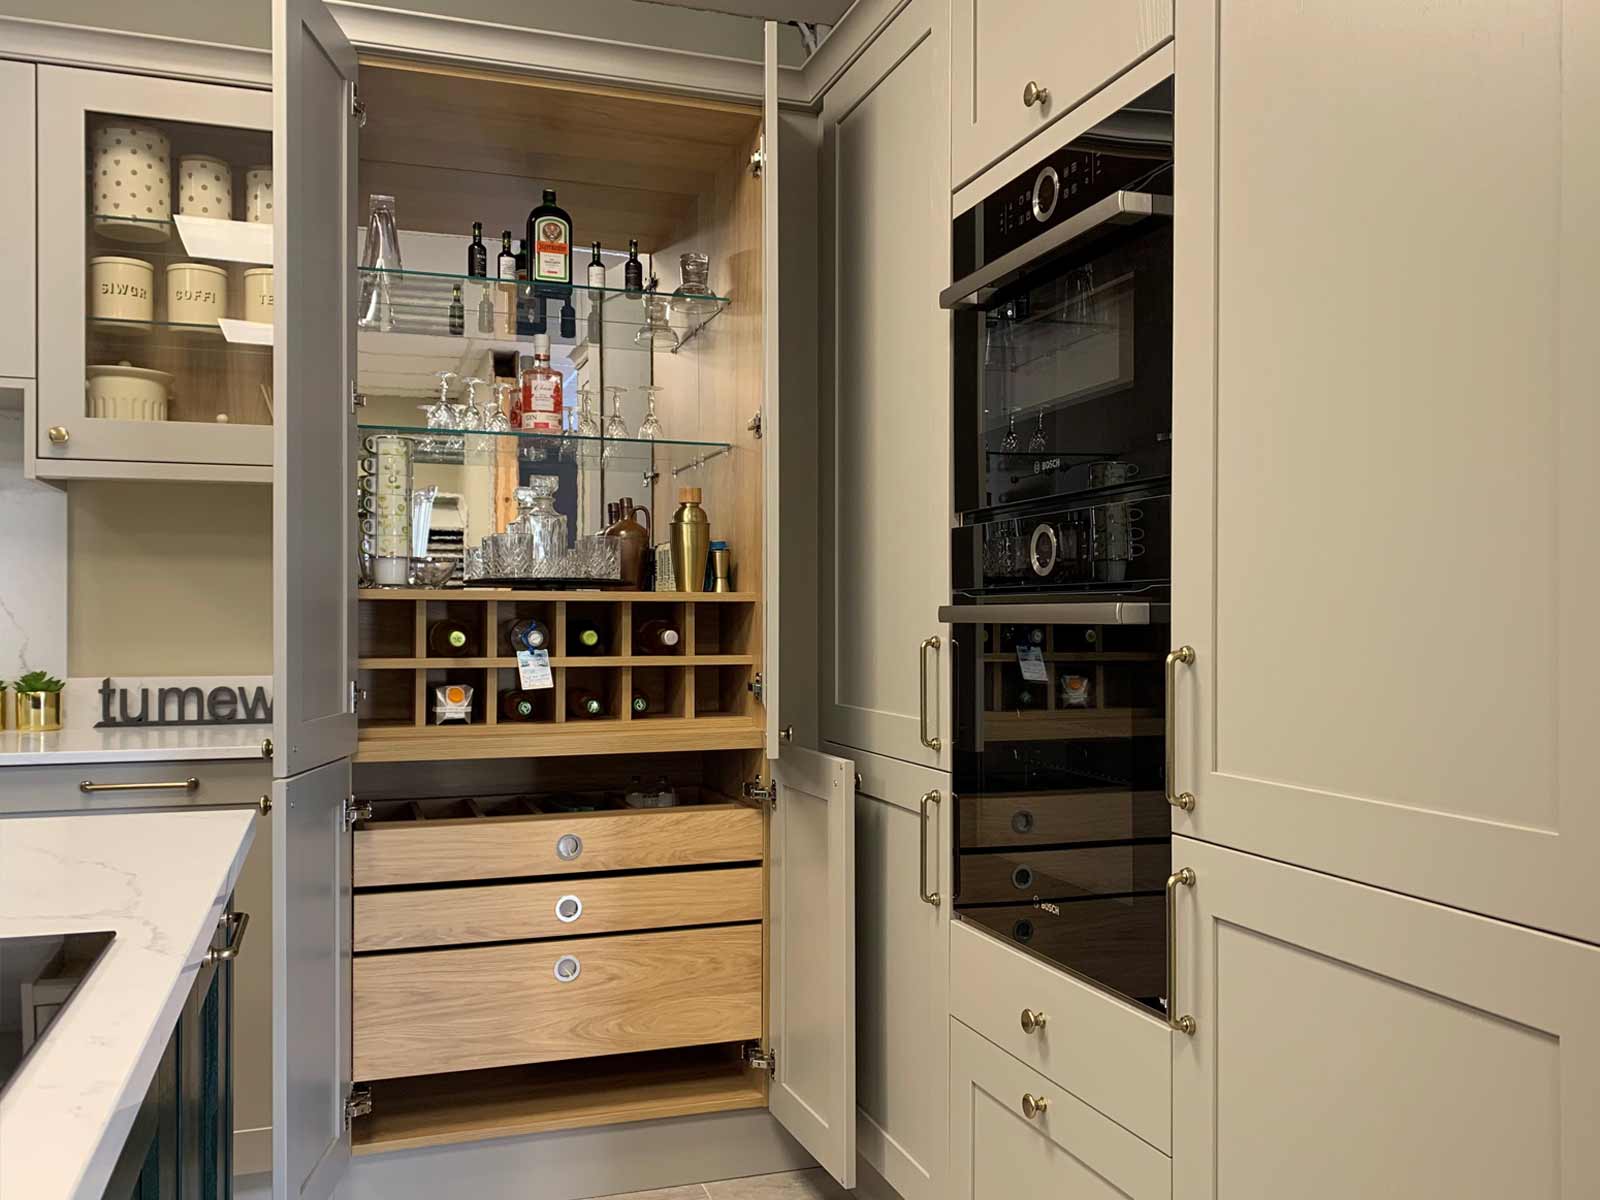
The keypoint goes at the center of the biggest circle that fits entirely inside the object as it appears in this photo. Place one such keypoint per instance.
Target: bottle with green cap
(585, 637)
(585, 705)
(449, 639)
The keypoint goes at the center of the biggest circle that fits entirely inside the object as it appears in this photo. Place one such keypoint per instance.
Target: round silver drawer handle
(567, 968)
(1033, 1021)
(568, 846)
(569, 909)
(1033, 1106)
(1033, 94)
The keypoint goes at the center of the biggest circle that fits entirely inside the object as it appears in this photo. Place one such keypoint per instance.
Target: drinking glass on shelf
(1036, 442)
(616, 427)
(588, 423)
(1008, 444)
(657, 332)
(380, 263)
(498, 421)
(650, 427)
(469, 411)
(692, 296)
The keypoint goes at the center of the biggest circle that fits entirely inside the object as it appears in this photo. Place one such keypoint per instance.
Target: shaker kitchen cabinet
(1378, 553)
(1014, 1133)
(150, 279)
(18, 233)
(1017, 65)
(886, 422)
(1373, 1044)
(408, 1048)
(903, 869)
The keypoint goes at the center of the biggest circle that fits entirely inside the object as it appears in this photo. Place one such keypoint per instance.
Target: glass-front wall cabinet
(155, 280)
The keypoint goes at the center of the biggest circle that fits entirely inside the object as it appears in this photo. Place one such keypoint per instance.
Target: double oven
(1061, 554)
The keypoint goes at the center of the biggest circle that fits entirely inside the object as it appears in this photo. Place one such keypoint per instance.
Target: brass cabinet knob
(1033, 1022)
(1033, 1105)
(58, 435)
(1033, 94)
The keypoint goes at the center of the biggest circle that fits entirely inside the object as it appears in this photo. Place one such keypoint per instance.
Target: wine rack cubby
(691, 694)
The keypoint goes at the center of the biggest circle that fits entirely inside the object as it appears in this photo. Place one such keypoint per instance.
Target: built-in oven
(1061, 554)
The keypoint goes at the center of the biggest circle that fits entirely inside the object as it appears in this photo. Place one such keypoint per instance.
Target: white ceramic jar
(127, 393)
(132, 184)
(121, 289)
(205, 187)
(197, 293)
(258, 294)
(258, 195)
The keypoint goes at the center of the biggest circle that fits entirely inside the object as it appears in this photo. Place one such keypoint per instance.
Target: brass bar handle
(922, 865)
(177, 785)
(928, 643)
(1183, 877)
(1183, 800)
(235, 923)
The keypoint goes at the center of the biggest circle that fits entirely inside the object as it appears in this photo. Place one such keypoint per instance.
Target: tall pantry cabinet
(1384, 436)
(800, 1063)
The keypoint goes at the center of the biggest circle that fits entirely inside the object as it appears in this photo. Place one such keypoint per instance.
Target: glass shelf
(453, 447)
(204, 238)
(420, 304)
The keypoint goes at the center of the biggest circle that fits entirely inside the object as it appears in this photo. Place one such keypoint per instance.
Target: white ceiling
(815, 12)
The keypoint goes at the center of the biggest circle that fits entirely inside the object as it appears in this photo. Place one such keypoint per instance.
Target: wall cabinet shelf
(137, 379)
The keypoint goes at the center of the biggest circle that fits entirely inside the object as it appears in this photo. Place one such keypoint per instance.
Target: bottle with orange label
(550, 248)
(540, 410)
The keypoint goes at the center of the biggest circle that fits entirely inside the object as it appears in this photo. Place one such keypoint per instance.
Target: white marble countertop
(172, 743)
(158, 879)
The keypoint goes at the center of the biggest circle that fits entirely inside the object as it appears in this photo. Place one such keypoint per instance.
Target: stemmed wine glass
(469, 412)
(497, 420)
(1008, 444)
(616, 427)
(1036, 441)
(650, 427)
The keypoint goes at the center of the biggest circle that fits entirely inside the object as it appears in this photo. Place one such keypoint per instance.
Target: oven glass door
(1064, 382)
(1063, 832)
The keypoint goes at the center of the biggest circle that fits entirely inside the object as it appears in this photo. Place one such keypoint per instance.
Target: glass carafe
(380, 262)
(538, 521)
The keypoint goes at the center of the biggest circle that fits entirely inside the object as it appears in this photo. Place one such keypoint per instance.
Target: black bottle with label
(477, 254)
(633, 269)
(549, 247)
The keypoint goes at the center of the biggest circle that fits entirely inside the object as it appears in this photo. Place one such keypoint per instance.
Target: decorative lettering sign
(183, 706)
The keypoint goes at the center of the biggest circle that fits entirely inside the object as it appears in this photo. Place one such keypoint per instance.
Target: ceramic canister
(124, 392)
(258, 294)
(132, 184)
(258, 195)
(205, 187)
(121, 289)
(197, 293)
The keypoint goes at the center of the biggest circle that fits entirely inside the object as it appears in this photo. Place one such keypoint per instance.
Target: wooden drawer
(1067, 1149)
(1102, 1050)
(494, 847)
(55, 789)
(494, 1006)
(507, 912)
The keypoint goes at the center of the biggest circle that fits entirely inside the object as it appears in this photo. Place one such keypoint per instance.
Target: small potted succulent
(38, 702)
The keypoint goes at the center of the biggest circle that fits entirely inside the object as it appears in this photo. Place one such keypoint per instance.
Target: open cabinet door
(811, 956)
(313, 371)
(310, 982)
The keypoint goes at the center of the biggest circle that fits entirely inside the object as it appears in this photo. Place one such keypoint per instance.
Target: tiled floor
(791, 1185)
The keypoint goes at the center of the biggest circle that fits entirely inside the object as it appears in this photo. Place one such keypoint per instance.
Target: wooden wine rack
(699, 695)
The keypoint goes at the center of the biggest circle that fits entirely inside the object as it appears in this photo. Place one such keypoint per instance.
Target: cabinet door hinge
(357, 399)
(760, 792)
(758, 157)
(759, 1058)
(755, 688)
(754, 425)
(358, 110)
(358, 1103)
(356, 810)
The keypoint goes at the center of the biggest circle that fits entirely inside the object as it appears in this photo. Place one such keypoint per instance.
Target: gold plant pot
(38, 712)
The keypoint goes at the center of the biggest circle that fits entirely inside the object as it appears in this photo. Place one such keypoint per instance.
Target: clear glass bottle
(380, 266)
(540, 411)
(538, 520)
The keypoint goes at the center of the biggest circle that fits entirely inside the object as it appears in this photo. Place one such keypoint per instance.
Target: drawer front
(506, 912)
(998, 46)
(1065, 1149)
(495, 1006)
(1018, 876)
(400, 852)
(1041, 818)
(1101, 1050)
(58, 789)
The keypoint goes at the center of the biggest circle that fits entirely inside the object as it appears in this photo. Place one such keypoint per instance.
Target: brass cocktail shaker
(691, 541)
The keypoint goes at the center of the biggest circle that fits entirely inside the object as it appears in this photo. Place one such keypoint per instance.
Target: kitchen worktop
(173, 743)
(160, 880)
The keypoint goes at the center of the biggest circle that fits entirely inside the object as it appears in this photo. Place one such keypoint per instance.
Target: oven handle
(1107, 612)
(1119, 208)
